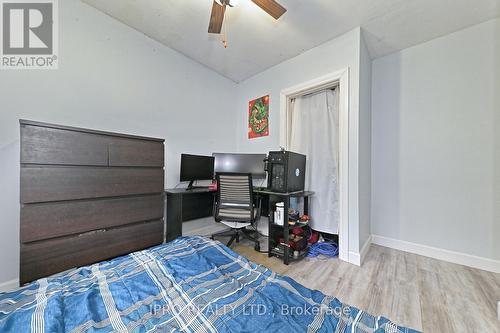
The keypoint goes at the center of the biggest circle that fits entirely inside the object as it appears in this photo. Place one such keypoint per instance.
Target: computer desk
(186, 205)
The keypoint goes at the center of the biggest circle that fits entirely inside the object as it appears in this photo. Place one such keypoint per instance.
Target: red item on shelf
(314, 237)
(298, 243)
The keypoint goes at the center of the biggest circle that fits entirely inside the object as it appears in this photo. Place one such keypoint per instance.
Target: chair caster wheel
(257, 247)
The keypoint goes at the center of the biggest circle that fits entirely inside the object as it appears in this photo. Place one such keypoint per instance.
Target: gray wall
(436, 143)
(113, 78)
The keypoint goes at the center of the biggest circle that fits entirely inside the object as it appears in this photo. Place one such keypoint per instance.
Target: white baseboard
(465, 259)
(365, 249)
(356, 258)
(9, 285)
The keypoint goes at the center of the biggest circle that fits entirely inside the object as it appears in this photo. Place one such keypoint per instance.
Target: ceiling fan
(219, 8)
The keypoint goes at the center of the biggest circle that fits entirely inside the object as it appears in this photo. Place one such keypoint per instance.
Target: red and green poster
(258, 117)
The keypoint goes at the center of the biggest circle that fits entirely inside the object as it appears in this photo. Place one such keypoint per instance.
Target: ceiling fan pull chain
(224, 35)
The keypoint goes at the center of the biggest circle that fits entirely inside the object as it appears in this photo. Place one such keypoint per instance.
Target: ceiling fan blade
(216, 18)
(271, 7)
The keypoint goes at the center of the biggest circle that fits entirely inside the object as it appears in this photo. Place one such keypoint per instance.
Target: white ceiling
(257, 41)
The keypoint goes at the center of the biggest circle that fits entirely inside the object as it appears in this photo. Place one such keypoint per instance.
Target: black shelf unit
(275, 229)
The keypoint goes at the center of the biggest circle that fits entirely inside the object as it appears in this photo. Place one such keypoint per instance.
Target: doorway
(339, 82)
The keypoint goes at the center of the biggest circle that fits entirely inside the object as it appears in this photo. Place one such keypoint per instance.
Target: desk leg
(286, 233)
(270, 231)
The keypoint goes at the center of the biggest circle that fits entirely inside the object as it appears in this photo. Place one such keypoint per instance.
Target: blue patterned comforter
(192, 284)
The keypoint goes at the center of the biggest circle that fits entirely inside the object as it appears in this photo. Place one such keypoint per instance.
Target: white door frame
(340, 78)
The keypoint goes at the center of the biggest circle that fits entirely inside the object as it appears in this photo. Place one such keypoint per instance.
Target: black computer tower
(286, 171)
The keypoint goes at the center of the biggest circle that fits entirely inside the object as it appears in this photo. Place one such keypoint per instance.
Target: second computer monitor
(196, 167)
(244, 163)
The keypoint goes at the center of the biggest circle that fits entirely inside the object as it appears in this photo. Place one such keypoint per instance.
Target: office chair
(234, 207)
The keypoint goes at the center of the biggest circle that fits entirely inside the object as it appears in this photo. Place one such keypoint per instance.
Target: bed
(192, 284)
(92, 257)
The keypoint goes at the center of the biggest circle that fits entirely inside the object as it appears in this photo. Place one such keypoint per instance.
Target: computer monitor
(244, 163)
(196, 167)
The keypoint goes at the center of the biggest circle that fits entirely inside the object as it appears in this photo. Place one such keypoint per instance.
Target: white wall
(110, 78)
(365, 142)
(332, 56)
(436, 143)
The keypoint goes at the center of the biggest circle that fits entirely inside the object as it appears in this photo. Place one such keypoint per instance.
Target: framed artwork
(258, 117)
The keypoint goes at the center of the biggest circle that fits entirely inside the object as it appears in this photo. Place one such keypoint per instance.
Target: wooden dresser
(86, 196)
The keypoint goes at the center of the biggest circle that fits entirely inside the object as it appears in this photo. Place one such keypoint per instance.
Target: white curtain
(314, 132)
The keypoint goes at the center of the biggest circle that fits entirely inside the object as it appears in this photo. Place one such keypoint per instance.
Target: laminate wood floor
(415, 291)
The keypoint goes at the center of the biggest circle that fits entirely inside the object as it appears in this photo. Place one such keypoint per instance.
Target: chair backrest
(234, 197)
